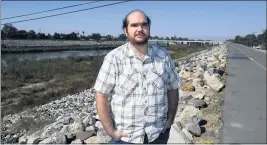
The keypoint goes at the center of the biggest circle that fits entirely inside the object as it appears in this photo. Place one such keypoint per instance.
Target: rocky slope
(73, 119)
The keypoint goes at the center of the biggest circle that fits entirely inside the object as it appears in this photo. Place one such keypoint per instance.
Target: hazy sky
(196, 20)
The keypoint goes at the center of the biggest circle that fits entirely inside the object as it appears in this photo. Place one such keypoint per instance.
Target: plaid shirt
(138, 90)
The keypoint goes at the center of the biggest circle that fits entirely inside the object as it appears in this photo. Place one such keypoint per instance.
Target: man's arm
(104, 84)
(103, 110)
(173, 99)
(172, 93)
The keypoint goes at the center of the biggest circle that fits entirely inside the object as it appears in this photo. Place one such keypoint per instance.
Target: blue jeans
(162, 139)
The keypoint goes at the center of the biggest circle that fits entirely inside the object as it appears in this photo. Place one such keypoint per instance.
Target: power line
(66, 12)
(50, 10)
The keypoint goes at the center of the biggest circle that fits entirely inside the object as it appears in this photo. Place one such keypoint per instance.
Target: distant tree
(22, 34)
(56, 36)
(167, 38)
(250, 38)
(49, 36)
(122, 37)
(265, 39)
(31, 34)
(180, 38)
(96, 36)
(41, 36)
(10, 31)
(109, 38)
(73, 36)
(238, 39)
(174, 38)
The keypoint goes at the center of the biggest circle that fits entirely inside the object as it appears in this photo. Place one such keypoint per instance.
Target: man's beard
(133, 41)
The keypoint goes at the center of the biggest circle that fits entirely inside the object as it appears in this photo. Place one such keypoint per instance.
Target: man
(142, 83)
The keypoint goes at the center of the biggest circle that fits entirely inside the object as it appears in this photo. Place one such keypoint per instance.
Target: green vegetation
(29, 83)
(182, 50)
(252, 39)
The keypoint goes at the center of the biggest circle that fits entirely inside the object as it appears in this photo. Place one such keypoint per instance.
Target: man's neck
(139, 49)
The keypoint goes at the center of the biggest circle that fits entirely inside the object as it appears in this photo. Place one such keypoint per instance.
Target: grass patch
(182, 50)
(69, 76)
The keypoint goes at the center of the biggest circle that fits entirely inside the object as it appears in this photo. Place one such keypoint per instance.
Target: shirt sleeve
(105, 80)
(173, 79)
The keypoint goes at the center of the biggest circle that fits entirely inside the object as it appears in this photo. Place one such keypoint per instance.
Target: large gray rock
(23, 139)
(99, 125)
(48, 131)
(187, 134)
(189, 111)
(65, 128)
(198, 96)
(46, 141)
(213, 81)
(77, 126)
(58, 125)
(77, 141)
(59, 138)
(89, 120)
(91, 129)
(33, 140)
(66, 120)
(190, 120)
(83, 135)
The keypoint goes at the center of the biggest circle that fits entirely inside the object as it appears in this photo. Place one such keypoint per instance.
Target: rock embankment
(201, 85)
(73, 119)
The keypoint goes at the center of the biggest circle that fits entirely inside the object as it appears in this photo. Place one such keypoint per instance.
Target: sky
(209, 20)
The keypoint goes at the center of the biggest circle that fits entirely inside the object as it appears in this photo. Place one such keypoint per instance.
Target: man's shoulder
(116, 53)
(160, 51)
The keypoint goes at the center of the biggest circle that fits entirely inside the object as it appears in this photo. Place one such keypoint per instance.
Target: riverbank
(23, 46)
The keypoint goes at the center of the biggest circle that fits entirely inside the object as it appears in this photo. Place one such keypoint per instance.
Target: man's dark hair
(125, 21)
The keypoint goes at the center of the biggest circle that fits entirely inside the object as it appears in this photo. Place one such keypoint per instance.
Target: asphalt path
(244, 108)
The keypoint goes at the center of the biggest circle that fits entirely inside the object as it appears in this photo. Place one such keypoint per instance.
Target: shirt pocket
(158, 75)
(128, 81)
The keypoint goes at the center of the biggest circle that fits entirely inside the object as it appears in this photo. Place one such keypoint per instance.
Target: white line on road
(253, 60)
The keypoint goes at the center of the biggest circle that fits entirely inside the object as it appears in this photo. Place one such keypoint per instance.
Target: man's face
(137, 30)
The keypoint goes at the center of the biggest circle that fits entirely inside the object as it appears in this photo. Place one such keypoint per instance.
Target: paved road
(244, 110)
